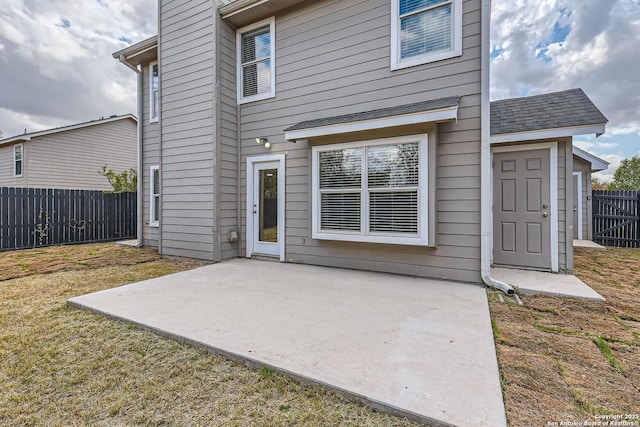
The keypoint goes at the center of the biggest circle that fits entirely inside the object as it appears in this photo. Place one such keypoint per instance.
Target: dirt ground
(60, 366)
(561, 360)
(567, 360)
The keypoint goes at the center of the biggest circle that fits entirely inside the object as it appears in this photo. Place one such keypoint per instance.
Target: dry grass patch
(62, 366)
(569, 360)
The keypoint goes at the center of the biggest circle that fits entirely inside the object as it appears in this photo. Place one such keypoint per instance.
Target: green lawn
(61, 366)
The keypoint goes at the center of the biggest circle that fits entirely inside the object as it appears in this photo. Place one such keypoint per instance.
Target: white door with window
(265, 206)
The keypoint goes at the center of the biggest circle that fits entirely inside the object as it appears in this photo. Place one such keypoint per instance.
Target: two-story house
(343, 133)
(69, 157)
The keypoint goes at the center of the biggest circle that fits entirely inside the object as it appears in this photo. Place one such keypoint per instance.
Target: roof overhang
(244, 12)
(425, 112)
(29, 136)
(597, 164)
(140, 53)
(597, 129)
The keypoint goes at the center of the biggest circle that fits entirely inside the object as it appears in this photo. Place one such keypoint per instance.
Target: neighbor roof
(597, 164)
(29, 136)
(569, 110)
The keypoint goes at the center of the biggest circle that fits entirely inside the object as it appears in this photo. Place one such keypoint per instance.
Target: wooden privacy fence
(616, 220)
(34, 217)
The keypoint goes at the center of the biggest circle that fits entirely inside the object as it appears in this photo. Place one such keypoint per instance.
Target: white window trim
(152, 193)
(272, 56)
(153, 118)
(21, 161)
(397, 63)
(422, 237)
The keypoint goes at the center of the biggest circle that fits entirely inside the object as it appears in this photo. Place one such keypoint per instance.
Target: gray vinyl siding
(73, 159)
(150, 157)
(188, 117)
(329, 63)
(229, 149)
(580, 165)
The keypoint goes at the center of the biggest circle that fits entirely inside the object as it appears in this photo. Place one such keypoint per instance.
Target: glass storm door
(265, 208)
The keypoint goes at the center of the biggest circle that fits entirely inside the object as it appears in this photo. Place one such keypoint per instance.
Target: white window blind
(425, 26)
(393, 188)
(256, 65)
(340, 188)
(425, 31)
(371, 191)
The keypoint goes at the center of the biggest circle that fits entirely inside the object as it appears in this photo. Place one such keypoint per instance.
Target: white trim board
(444, 114)
(547, 134)
(553, 191)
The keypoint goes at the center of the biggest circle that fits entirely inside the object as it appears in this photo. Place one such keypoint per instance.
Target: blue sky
(552, 45)
(56, 66)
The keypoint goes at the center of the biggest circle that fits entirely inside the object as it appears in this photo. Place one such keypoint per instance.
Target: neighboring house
(69, 157)
(583, 165)
(347, 134)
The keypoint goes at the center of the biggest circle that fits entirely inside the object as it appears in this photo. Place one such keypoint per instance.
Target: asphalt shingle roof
(419, 107)
(569, 108)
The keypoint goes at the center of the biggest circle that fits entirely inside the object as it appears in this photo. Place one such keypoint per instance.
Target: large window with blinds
(373, 191)
(425, 31)
(256, 61)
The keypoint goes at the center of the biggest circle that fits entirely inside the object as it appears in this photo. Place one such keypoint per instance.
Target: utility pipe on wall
(486, 208)
(139, 216)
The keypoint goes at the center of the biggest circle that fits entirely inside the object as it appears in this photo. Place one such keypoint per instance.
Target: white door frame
(251, 161)
(579, 207)
(553, 191)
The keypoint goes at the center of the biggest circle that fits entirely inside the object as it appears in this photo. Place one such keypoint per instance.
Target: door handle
(545, 214)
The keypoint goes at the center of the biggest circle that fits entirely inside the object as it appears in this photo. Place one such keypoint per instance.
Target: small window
(256, 61)
(154, 94)
(374, 191)
(154, 191)
(425, 31)
(18, 160)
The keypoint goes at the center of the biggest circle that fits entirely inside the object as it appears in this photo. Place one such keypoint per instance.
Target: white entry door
(265, 206)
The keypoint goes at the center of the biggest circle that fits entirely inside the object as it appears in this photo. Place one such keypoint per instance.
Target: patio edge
(253, 363)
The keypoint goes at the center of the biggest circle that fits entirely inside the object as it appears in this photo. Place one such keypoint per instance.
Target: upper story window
(373, 191)
(154, 94)
(425, 31)
(18, 160)
(154, 193)
(256, 61)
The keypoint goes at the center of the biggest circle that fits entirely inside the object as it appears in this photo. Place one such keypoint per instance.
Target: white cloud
(56, 62)
(625, 129)
(595, 56)
(594, 145)
(614, 160)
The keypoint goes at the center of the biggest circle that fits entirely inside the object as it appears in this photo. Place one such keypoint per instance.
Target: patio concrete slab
(416, 347)
(540, 283)
(587, 244)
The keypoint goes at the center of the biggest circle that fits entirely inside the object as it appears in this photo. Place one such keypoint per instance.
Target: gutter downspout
(139, 113)
(486, 208)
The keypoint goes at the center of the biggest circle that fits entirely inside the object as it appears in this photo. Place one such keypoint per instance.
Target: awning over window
(436, 110)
